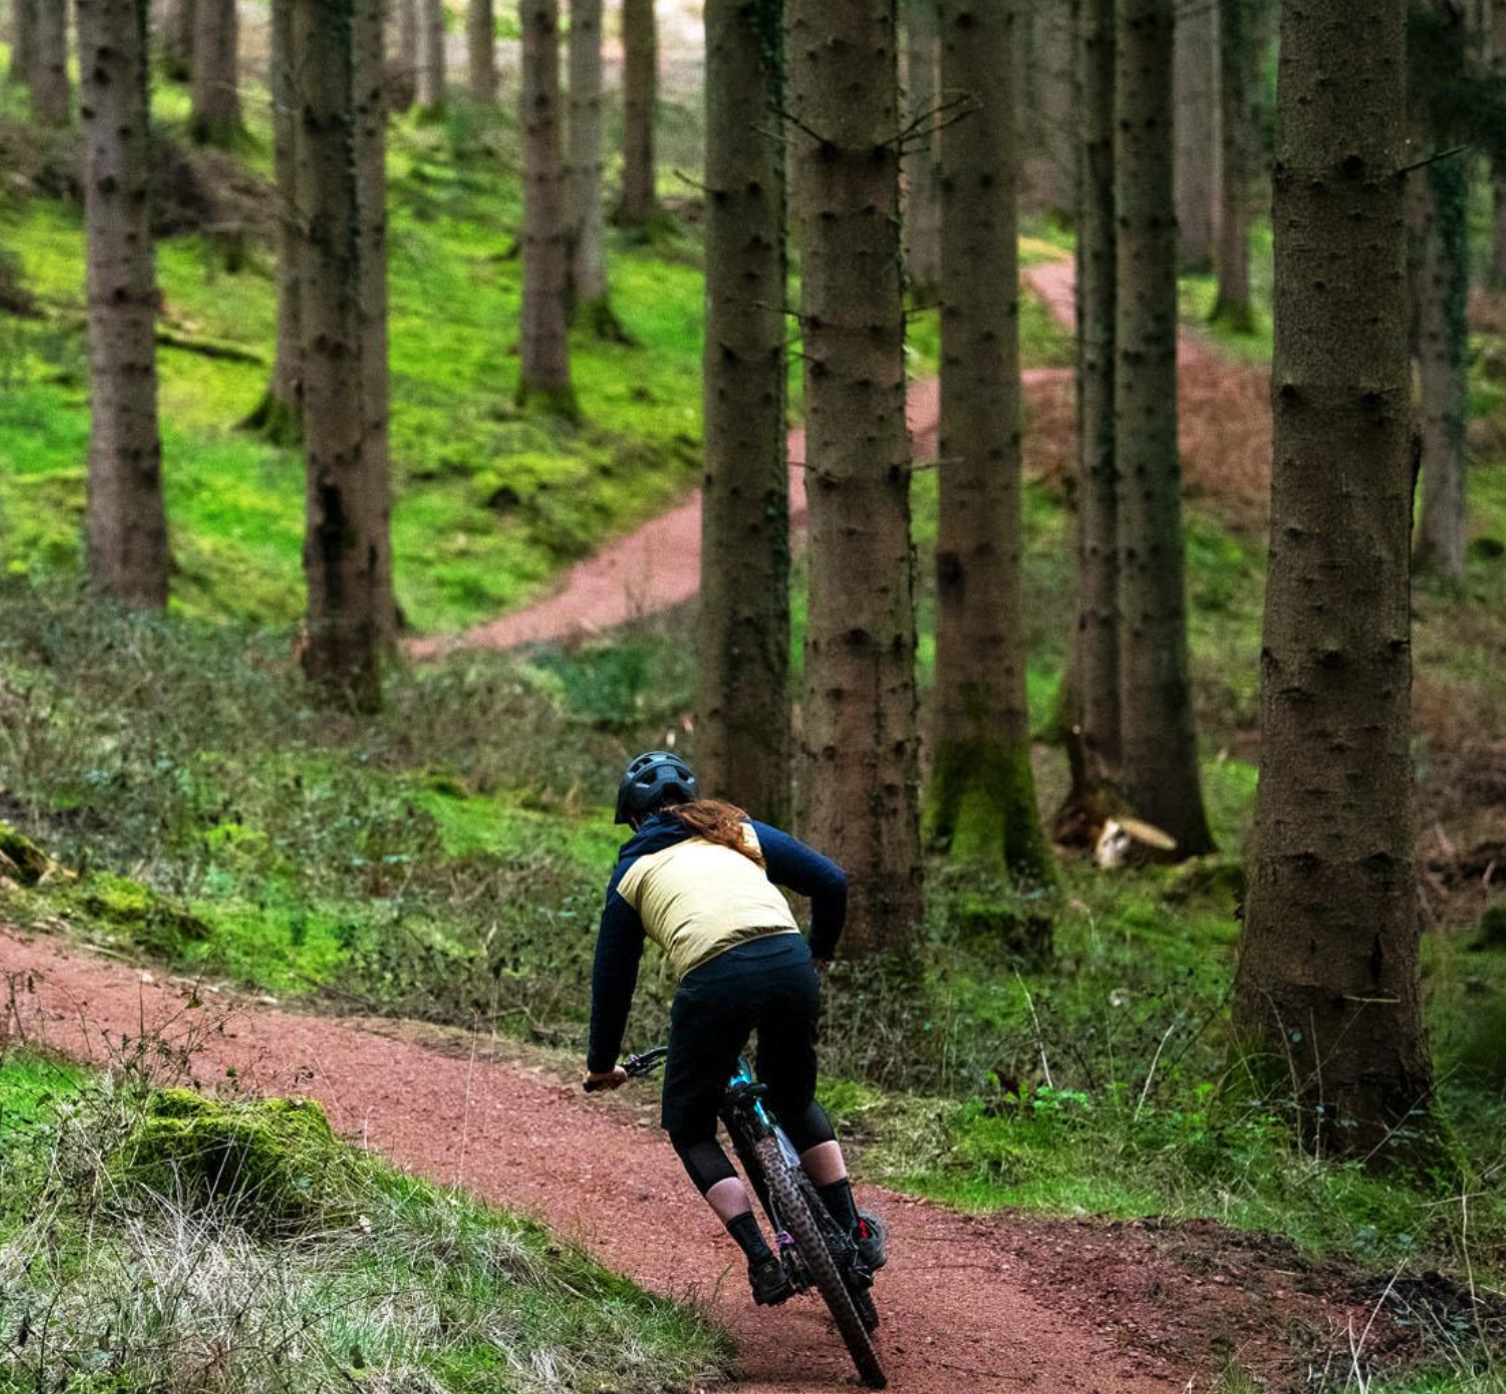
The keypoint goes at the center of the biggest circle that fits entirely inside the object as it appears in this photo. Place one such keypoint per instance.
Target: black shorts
(768, 985)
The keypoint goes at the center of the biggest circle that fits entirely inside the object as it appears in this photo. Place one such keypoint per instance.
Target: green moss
(20, 857)
(981, 809)
(274, 1165)
(135, 911)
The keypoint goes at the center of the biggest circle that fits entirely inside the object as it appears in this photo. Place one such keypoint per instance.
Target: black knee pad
(704, 1160)
(809, 1127)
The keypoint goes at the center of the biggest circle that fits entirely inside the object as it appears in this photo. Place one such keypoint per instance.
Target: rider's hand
(823, 966)
(614, 1078)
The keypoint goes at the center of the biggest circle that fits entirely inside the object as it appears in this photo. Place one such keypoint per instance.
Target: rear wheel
(795, 1215)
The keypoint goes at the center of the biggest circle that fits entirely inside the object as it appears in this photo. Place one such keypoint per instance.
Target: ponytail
(719, 823)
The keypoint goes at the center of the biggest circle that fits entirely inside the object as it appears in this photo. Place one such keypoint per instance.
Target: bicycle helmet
(651, 780)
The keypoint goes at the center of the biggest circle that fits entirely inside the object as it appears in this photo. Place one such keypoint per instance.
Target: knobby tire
(795, 1214)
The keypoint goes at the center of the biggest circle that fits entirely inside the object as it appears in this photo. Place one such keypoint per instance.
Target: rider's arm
(619, 946)
(792, 864)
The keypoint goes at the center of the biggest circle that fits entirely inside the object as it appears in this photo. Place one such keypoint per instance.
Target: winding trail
(658, 566)
(970, 1304)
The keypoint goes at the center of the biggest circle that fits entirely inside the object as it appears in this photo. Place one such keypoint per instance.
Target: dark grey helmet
(652, 779)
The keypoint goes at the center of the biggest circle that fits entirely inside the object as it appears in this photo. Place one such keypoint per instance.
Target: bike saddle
(745, 1093)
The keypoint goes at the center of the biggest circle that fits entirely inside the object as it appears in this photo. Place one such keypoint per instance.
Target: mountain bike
(817, 1252)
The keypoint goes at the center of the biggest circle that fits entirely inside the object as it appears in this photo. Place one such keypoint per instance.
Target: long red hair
(718, 822)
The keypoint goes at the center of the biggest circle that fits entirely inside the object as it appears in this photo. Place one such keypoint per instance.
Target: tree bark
(51, 94)
(369, 80)
(279, 415)
(125, 520)
(343, 555)
(177, 40)
(546, 345)
(1159, 743)
(1440, 297)
(1196, 77)
(743, 629)
(1327, 984)
(981, 805)
(1097, 647)
(481, 41)
(431, 55)
(860, 771)
(639, 203)
(1044, 71)
(23, 52)
(922, 177)
(1241, 32)
(588, 253)
(216, 92)
(402, 64)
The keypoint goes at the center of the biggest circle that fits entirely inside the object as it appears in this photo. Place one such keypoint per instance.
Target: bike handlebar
(636, 1066)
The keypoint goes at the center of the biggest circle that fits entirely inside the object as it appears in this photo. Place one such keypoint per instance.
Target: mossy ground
(145, 1225)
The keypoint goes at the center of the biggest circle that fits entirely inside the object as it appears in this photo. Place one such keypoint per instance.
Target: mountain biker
(699, 878)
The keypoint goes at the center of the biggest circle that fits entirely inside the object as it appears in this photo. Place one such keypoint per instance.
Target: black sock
(837, 1197)
(749, 1237)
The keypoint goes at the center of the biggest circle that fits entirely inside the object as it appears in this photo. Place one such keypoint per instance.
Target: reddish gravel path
(958, 1316)
(658, 567)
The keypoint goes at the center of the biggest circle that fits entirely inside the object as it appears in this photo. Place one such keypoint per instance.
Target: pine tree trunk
(481, 41)
(177, 40)
(1240, 46)
(860, 771)
(1328, 974)
(981, 803)
(1097, 648)
(1197, 126)
(1441, 292)
(431, 55)
(369, 80)
(126, 523)
(279, 416)
(1496, 57)
(546, 346)
(1160, 758)
(342, 556)
(588, 258)
(639, 203)
(402, 62)
(51, 103)
(23, 52)
(743, 633)
(922, 178)
(216, 93)
(1045, 71)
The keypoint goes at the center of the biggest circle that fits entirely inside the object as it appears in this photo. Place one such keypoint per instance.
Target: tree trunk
(431, 55)
(588, 254)
(1496, 57)
(1160, 759)
(1328, 974)
(371, 200)
(1440, 295)
(1097, 648)
(23, 52)
(743, 632)
(981, 803)
(1241, 31)
(402, 64)
(343, 554)
(177, 40)
(279, 416)
(546, 345)
(481, 40)
(126, 523)
(922, 178)
(860, 744)
(639, 204)
(51, 103)
(1197, 126)
(1044, 70)
(216, 93)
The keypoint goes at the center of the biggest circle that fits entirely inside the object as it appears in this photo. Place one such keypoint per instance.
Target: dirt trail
(969, 1304)
(658, 567)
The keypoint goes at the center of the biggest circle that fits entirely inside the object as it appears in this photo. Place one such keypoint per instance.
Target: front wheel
(794, 1215)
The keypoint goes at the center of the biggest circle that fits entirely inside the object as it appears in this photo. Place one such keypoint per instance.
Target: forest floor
(970, 1303)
